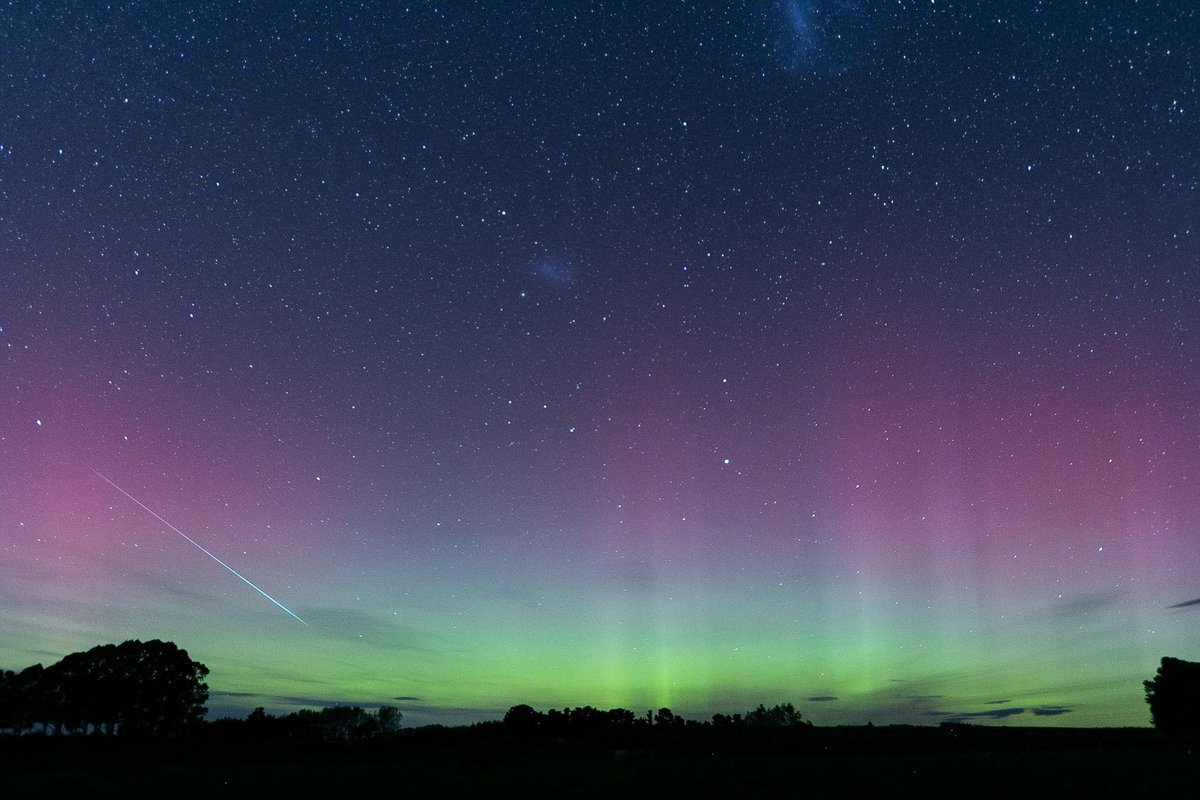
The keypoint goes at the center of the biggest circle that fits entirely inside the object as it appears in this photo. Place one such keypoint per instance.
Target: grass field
(1135, 766)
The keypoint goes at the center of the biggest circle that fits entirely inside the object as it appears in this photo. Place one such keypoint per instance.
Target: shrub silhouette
(1174, 696)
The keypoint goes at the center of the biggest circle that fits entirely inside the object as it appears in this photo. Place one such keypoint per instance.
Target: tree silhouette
(665, 718)
(1174, 696)
(779, 716)
(135, 688)
(30, 701)
(8, 699)
(63, 689)
(160, 689)
(388, 719)
(332, 725)
(522, 718)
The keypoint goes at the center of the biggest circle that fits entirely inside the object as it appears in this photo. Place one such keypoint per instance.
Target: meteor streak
(239, 575)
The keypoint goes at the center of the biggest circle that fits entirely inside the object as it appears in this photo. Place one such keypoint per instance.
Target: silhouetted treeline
(329, 725)
(525, 719)
(154, 689)
(617, 726)
(135, 688)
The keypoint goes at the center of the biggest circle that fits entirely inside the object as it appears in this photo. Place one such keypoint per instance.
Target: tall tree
(8, 699)
(1174, 696)
(30, 702)
(161, 689)
(389, 719)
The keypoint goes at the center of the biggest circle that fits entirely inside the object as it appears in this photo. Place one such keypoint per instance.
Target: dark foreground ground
(845, 762)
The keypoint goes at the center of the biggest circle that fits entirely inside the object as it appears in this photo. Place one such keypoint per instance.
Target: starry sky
(626, 354)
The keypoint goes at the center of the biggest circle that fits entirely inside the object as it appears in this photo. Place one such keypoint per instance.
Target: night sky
(623, 354)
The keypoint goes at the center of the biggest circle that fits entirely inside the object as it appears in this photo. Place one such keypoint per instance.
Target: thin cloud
(963, 716)
(1051, 711)
(1088, 604)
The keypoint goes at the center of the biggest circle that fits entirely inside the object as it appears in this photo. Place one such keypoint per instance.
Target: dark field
(887, 762)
